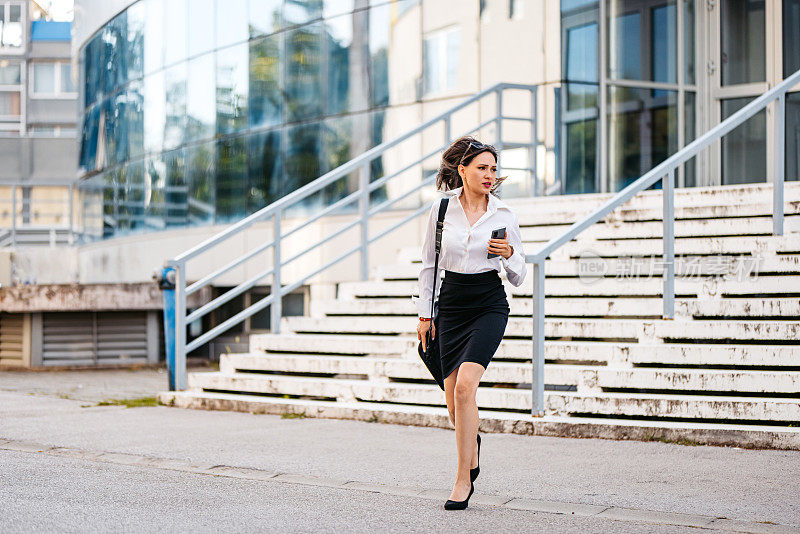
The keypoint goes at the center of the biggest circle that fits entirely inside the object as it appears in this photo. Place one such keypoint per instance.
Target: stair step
(581, 307)
(583, 376)
(559, 403)
(571, 327)
(692, 354)
(749, 435)
(602, 287)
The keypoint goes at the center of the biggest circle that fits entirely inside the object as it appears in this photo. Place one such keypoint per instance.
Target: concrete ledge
(747, 436)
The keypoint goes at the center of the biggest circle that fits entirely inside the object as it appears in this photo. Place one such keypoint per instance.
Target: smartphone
(499, 233)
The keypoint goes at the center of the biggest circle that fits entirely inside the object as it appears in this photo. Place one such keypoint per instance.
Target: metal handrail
(274, 212)
(665, 171)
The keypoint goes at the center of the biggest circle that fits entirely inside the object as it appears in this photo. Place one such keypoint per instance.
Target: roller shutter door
(12, 342)
(89, 338)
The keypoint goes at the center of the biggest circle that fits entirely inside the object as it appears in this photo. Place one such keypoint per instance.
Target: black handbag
(431, 357)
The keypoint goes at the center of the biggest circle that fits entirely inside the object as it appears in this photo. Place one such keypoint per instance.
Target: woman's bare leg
(466, 416)
(449, 394)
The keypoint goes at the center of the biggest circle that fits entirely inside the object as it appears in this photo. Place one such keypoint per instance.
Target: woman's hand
(500, 246)
(422, 329)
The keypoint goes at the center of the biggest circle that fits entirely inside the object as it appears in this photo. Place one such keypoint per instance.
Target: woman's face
(479, 175)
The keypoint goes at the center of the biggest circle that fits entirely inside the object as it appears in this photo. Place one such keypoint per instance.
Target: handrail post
(364, 209)
(499, 143)
(180, 326)
(534, 140)
(668, 272)
(13, 215)
(276, 308)
(537, 378)
(778, 174)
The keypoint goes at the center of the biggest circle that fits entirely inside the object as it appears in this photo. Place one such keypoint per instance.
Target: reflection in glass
(642, 132)
(264, 17)
(688, 41)
(200, 177)
(303, 147)
(155, 176)
(92, 61)
(232, 88)
(200, 98)
(265, 165)
(133, 119)
(134, 195)
(744, 150)
(331, 8)
(231, 21)
(792, 147)
(265, 100)
(297, 12)
(175, 189)
(380, 31)
(580, 156)
(303, 72)
(175, 105)
(175, 31)
(625, 48)
(743, 53)
(153, 36)
(200, 22)
(154, 112)
(339, 35)
(581, 66)
(134, 42)
(689, 177)
(664, 53)
(231, 190)
(791, 37)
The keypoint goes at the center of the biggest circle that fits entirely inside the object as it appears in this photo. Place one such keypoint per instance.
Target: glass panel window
(44, 78)
(625, 50)
(440, 57)
(264, 17)
(688, 41)
(339, 35)
(744, 150)
(642, 132)
(201, 98)
(200, 22)
(792, 168)
(743, 53)
(67, 85)
(10, 25)
(201, 179)
(265, 98)
(231, 22)
(690, 177)
(303, 72)
(153, 26)
(664, 47)
(10, 73)
(791, 37)
(581, 66)
(296, 12)
(231, 194)
(232, 88)
(10, 103)
(265, 166)
(174, 31)
(175, 105)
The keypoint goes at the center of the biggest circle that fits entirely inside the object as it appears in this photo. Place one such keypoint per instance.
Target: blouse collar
(495, 203)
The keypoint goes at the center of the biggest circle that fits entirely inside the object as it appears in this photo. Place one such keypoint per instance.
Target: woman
(473, 309)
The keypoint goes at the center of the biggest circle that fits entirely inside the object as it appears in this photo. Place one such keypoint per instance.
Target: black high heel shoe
(460, 505)
(474, 472)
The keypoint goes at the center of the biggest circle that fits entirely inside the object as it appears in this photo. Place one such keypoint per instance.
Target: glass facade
(203, 115)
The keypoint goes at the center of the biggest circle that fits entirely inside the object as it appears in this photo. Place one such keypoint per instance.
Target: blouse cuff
(514, 263)
(423, 306)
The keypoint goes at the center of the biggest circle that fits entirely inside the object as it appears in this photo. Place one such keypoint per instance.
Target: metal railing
(665, 171)
(274, 212)
(37, 214)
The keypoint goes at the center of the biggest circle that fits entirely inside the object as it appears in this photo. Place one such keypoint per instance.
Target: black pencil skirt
(473, 313)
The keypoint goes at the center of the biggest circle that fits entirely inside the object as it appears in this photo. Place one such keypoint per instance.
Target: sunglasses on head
(480, 146)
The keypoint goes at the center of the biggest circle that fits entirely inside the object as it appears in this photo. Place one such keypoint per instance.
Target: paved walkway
(180, 470)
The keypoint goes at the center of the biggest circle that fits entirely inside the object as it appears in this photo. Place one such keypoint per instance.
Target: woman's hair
(462, 152)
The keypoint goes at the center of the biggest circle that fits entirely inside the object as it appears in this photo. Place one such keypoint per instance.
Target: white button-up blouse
(464, 247)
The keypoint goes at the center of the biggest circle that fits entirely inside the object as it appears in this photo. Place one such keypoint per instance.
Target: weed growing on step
(293, 415)
(130, 403)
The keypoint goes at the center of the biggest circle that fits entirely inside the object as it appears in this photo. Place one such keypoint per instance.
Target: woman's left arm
(515, 264)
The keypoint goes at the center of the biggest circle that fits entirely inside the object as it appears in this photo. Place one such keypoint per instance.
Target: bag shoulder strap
(439, 229)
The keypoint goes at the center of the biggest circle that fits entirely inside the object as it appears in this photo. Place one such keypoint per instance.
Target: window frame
(58, 94)
(443, 34)
(5, 6)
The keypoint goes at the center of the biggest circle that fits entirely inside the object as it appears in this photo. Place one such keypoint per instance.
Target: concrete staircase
(725, 370)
